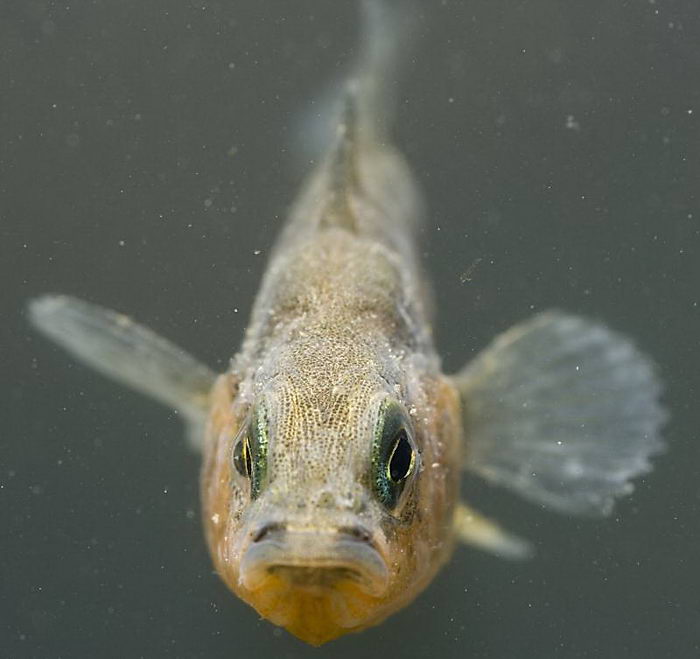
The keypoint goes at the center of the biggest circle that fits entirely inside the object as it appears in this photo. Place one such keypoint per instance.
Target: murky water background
(146, 160)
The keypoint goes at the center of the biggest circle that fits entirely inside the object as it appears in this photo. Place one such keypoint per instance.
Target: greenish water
(146, 161)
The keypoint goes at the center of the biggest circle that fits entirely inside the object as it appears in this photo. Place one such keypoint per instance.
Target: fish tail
(362, 184)
(363, 103)
(362, 146)
(388, 30)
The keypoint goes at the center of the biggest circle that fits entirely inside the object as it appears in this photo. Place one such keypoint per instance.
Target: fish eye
(241, 456)
(402, 458)
(393, 455)
(250, 450)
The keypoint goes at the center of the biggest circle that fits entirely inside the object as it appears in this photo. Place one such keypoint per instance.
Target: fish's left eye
(394, 455)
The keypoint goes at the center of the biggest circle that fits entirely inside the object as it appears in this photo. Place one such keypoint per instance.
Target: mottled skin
(339, 326)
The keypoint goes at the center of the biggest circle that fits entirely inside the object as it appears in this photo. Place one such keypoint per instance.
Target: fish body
(338, 345)
(334, 445)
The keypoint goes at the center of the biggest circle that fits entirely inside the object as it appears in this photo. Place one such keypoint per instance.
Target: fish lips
(314, 560)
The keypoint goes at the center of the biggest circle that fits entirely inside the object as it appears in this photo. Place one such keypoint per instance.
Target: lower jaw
(315, 613)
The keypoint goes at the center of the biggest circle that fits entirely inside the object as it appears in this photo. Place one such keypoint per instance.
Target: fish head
(328, 502)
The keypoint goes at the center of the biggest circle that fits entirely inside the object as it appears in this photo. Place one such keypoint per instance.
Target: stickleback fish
(333, 445)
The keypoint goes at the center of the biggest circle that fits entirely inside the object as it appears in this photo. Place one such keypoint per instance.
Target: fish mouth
(314, 560)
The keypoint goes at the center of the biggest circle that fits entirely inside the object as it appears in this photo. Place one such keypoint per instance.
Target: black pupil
(400, 461)
(241, 457)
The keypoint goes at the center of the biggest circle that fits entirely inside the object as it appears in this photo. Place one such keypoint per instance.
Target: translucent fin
(361, 184)
(474, 529)
(389, 30)
(117, 347)
(563, 411)
(368, 88)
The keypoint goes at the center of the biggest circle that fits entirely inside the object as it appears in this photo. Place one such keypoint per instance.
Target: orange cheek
(217, 495)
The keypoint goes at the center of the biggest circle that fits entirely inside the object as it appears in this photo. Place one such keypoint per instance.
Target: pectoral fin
(117, 347)
(474, 529)
(563, 411)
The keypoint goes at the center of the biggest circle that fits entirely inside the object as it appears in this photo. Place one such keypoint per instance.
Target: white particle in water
(572, 123)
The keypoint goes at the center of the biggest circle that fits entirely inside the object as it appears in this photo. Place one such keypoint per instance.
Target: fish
(334, 443)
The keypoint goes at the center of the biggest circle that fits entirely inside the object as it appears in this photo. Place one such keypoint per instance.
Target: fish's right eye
(250, 450)
(241, 456)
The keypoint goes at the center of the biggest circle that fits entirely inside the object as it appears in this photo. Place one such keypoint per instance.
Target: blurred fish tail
(389, 29)
(362, 184)
(368, 90)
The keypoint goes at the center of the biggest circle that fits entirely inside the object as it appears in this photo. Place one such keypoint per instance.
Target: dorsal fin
(342, 163)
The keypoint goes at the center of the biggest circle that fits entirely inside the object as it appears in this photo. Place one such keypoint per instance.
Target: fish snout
(271, 529)
(313, 559)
